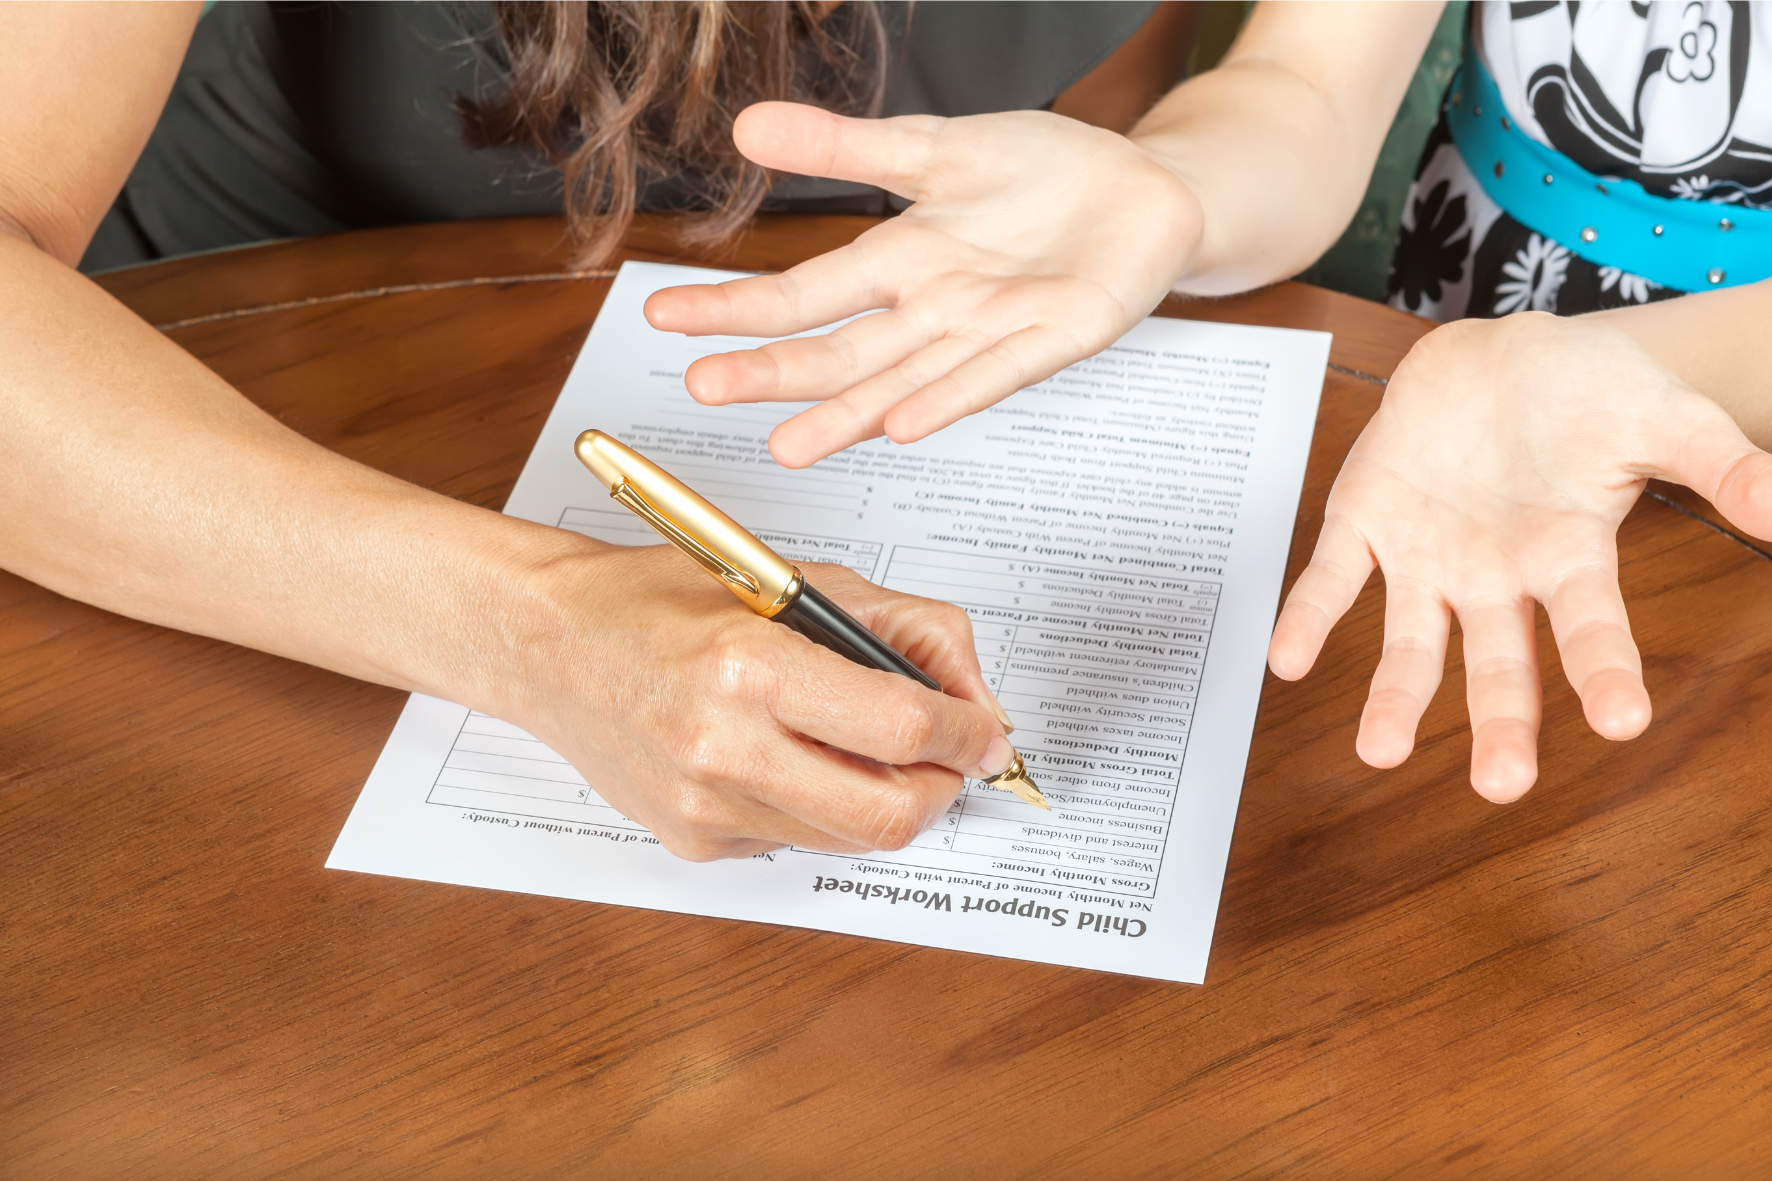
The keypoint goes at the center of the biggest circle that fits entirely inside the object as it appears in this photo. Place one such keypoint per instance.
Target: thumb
(1744, 494)
(793, 137)
(1716, 460)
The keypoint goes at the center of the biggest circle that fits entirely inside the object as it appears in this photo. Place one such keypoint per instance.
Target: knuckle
(768, 371)
(1604, 631)
(848, 358)
(731, 664)
(955, 620)
(915, 729)
(705, 759)
(973, 336)
(699, 813)
(922, 322)
(741, 667)
(829, 573)
(915, 372)
(1499, 668)
(1408, 646)
(896, 818)
(694, 846)
(1015, 369)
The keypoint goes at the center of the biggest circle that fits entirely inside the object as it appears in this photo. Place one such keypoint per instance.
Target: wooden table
(1404, 979)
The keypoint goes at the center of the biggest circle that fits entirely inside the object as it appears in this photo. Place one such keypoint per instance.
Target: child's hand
(1495, 474)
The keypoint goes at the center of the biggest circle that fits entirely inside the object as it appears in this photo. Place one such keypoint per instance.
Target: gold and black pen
(761, 578)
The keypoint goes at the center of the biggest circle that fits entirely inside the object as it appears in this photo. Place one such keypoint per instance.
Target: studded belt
(1685, 245)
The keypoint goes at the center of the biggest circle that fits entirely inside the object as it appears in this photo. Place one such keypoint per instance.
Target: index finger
(935, 636)
(1339, 568)
(819, 291)
(880, 715)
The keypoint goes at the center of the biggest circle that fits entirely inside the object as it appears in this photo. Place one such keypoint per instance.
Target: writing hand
(727, 734)
(1034, 241)
(1495, 475)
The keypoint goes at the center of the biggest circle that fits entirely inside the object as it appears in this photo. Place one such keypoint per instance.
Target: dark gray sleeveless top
(290, 119)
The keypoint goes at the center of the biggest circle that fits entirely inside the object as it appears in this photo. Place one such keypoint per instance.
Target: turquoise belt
(1685, 245)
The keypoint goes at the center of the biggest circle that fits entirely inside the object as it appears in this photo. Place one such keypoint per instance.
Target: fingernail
(1002, 714)
(997, 757)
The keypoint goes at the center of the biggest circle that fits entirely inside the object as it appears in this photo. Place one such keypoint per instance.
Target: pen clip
(625, 492)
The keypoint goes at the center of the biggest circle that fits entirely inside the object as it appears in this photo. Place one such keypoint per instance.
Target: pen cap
(760, 577)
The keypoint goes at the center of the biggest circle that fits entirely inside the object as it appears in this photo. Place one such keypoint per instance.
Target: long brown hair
(621, 93)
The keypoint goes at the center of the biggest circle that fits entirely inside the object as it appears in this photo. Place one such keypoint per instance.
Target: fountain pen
(761, 578)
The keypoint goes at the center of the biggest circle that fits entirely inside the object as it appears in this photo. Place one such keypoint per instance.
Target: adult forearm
(1278, 142)
(138, 480)
(1716, 342)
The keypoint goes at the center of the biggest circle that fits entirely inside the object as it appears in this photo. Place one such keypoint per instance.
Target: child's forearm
(1279, 141)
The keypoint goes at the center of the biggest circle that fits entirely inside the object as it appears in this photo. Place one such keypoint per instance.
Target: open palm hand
(1034, 241)
(1495, 476)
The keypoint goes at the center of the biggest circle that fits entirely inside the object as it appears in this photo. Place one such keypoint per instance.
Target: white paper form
(1117, 533)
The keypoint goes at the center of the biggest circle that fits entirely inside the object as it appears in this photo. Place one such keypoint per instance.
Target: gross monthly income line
(1045, 579)
(1173, 615)
(1040, 580)
(1078, 615)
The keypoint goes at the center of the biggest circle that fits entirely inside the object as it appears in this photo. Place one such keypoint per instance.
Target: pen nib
(1015, 778)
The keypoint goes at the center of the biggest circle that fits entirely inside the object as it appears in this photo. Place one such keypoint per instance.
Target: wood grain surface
(1405, 980)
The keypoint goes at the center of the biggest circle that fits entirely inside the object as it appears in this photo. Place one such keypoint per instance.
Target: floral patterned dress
(1674, 94)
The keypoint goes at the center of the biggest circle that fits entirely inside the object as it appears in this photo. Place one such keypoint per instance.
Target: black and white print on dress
(1674, 94)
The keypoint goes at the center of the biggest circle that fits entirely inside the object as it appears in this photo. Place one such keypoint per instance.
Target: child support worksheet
(1118, 535)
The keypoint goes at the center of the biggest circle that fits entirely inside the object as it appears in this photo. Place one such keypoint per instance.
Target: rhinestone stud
(1656, 231)
(1715, 275)
(1725, 225)
(1588, 234)
(1549, 179)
